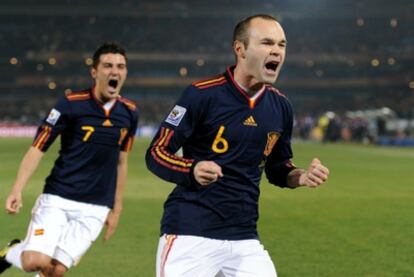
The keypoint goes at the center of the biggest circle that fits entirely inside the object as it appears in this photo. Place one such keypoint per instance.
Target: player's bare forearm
(114, 215)
(121, 180)
(27, 167)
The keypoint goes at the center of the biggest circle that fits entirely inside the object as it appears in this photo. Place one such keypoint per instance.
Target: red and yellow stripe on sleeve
(165, 158)
(42, 137)
(218, 80)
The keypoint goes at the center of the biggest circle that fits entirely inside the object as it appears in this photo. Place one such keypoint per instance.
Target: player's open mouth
(113, 83)
(271, 66)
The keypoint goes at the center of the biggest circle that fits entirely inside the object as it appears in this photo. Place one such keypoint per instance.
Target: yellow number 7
(89, 130)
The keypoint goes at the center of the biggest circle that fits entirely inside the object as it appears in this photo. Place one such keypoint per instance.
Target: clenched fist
(315, 175)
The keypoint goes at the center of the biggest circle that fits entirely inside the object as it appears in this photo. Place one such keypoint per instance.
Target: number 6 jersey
(215, 120)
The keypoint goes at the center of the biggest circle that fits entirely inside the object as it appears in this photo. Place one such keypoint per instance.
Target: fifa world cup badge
(53, 116)
(175, 116)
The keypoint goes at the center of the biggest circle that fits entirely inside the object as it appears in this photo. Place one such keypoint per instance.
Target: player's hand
(315, 175)
(111, 224)
(207, 172)
(14, 203)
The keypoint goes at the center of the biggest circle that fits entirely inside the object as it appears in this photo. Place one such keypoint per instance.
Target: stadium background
(349, 75)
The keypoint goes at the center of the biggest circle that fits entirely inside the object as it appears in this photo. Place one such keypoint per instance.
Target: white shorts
(192, 256)
(64, 229)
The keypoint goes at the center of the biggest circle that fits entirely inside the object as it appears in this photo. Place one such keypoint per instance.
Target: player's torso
(91, 125)
(237, 136)
(86, 168)
(232, 132)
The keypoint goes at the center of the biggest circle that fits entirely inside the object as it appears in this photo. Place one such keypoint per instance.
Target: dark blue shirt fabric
(216, 120)
(91, 140)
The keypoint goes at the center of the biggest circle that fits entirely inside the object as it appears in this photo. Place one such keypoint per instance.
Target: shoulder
(128, 103)
(200, 93)
(78, 95)
(281, 99)
(275, 91)
(211, 82)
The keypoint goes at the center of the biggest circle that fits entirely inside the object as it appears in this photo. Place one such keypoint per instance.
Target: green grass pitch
(360, 223)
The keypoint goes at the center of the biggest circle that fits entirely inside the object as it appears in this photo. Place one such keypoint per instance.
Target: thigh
(189, 256)
(249, 259)
(81, 231)
(46, 226)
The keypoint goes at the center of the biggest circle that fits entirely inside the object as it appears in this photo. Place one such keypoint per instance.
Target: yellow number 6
(220, 144)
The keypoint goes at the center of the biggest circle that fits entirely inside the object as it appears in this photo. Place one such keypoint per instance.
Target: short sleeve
(52, 125)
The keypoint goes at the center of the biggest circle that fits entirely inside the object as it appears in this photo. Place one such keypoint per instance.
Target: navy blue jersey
(91, 140)
(216, 120)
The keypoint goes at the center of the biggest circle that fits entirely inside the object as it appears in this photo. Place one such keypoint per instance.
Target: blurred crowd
(368, 127)
(341, 57)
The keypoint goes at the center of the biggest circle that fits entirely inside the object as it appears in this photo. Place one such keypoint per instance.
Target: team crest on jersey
(176, 115)
(272, 138)
(53, 116)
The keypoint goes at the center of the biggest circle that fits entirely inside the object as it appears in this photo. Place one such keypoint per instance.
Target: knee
(59, 270)
(34, 261)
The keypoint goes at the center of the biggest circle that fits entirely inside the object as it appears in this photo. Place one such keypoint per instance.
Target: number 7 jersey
(91, 140)
(215, 120)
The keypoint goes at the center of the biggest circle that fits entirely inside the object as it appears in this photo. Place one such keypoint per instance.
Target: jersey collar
(107, 112)
(251, 101)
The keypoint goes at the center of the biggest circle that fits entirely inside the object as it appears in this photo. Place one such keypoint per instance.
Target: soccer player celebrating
(231, 127)
(84, 190)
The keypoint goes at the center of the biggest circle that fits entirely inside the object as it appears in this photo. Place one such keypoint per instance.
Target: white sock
(14, 255)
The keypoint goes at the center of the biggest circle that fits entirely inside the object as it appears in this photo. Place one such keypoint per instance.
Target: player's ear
(239, 49)
(93, 72)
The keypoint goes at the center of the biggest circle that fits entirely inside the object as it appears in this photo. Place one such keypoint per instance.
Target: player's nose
(114, 70)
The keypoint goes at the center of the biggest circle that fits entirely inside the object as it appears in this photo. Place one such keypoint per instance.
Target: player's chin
(112, 94)
(269, 79)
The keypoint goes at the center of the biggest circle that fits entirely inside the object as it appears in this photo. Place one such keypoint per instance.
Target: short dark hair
(107, 47)
(241, 30)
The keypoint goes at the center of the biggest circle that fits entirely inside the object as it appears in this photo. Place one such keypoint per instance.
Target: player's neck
(249, 84)
(101, 98)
